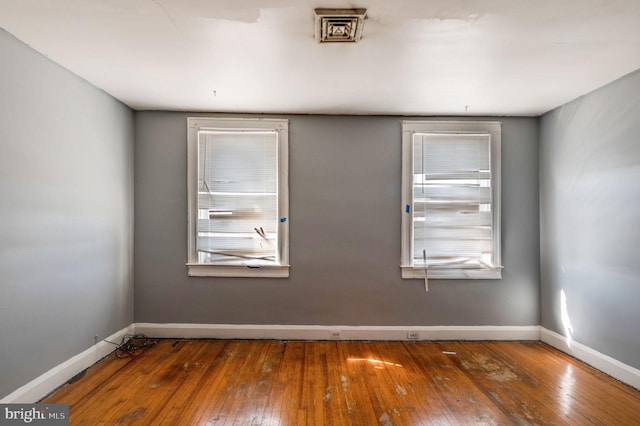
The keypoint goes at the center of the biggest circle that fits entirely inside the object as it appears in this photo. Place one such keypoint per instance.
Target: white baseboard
(606, 364)
(336, 332)
(57, 376)
(42, 385)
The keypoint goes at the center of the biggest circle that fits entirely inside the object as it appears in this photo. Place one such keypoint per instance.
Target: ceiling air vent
(339, 25)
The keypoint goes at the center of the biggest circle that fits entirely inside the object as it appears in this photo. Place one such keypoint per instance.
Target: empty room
(290, 212)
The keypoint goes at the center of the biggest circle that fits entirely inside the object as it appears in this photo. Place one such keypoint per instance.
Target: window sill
(412, 272)
(263, 271)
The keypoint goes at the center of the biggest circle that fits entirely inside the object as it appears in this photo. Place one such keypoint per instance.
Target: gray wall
(590, 219)
(345, 213)
(66, 187)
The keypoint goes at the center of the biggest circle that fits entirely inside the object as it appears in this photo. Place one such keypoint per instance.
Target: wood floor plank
(93, 379)
(386, 384)
(185, 398)
(114, 392)
(227, 382)
(542, 383)
(314, 385)
(139, 394)
(509, 386)
(335, 404)
(563, 394)
(360, 410)
(455, 397)
(219, 390)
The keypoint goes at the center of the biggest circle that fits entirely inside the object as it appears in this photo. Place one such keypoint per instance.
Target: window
(238, 197)
(451, 199)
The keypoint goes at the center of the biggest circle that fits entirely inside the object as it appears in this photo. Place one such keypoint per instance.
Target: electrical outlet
(335, 334)
(412, 335)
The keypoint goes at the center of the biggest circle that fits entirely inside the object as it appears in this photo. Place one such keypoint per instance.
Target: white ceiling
(437, 57)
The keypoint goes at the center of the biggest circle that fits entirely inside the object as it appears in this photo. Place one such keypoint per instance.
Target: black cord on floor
(130, 344)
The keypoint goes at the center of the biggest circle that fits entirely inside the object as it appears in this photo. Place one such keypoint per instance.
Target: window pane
(452, 200)
(237, 162)
(457, 154)
(237, 196)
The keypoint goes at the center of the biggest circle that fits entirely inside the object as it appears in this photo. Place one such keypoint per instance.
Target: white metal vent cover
(339, 25)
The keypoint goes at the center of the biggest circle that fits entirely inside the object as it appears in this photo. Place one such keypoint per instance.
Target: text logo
(34, 414)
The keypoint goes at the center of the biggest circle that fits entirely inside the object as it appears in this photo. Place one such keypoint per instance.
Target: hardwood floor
(219, 382)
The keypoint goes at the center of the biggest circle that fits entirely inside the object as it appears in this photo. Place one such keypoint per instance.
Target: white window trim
(195, 269)
(410, 127)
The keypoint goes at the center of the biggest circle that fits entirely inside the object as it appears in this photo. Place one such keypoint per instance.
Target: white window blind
(238, 197)
(451, 201)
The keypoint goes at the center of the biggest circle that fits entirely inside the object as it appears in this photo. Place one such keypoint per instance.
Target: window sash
(462, 240)
(451, 197)
(238, 197)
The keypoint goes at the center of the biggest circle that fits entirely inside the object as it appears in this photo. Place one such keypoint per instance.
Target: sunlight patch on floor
(376, 362)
